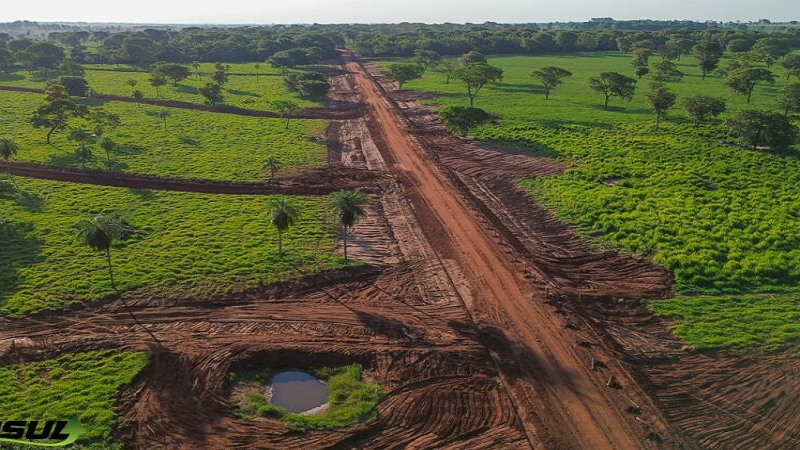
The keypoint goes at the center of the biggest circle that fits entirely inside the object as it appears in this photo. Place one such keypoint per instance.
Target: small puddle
(297, 392)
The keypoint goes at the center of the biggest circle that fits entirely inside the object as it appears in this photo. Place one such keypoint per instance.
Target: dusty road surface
(554, 393)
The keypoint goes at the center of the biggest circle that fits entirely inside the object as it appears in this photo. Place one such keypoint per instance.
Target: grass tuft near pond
(351, 399)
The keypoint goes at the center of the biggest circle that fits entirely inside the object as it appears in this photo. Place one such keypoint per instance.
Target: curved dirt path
(350, 112)
(561, 404)
(316, 182)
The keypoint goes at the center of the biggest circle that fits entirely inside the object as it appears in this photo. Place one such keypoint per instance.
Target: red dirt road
(559, 401)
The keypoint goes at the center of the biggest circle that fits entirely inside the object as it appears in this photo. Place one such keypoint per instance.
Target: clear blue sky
(371, 11)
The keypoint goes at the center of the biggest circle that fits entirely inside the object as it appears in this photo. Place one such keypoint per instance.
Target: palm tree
(157, 81)
(257, 66)
(196, 66)
(163, 114)
(348, 206)
(132, 83)
(8, 149)
(99, 234)
(272, 164)
(137, 97)
(283, 213)
(107, 144)
(83, 153)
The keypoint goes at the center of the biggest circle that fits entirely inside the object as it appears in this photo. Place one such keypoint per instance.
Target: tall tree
(448, 67)
(257, 66)
(132, 83)
(220, 75)
(428, 59)
(477, 75)
(699, 107)
(745, 80)
(285, 108)
(8, 149)
(660, 99)
(212, 92)
(612, 84)
(792, 65)
(100, 233)
(83, 153)
(272, 165)
(666, 70)
(55, 115)
(163, 114)
(157, 80)
(550, 77)
(108, 145)
(790, 98)
(708, 55)
(757, 127)
(283, 213)
(402, 73)
(348, 207)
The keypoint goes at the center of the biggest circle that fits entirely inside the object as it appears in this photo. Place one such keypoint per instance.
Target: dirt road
(560, 402)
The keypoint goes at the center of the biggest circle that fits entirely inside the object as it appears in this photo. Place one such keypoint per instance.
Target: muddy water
(298, 392)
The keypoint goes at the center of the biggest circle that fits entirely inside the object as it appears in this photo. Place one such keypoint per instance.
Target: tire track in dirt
(549, 373)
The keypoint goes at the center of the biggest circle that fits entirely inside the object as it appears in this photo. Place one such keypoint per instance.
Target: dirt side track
(314, 182)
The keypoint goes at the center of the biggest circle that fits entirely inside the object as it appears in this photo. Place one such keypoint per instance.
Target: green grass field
(243, 91)
(722, 219)
(195, 144)
(191, 244)
(81, 384)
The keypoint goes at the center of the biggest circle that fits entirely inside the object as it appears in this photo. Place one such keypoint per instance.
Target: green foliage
(757, 127)
(402, 73)
(475, 76)
(745, 79)
(550, 77)
(350, 399)
(743, 322)
(212, 93)
(461, 119)
(75, 86)
(81, 384)
(700, 107)
(661, 99)
(243, 91)
(612, 84)
(197, 144)
(708, 55)
(189, 245)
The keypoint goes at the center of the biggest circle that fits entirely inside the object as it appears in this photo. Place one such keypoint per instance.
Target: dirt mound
(314, 182)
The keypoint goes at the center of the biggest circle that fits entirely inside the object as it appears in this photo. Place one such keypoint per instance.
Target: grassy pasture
(81, 384)
(191, 244)
(243, 91)
(722, 219)
(195, 144)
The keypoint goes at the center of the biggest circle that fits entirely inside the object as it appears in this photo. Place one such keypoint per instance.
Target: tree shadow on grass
(31, 201)
(184, 89)
(521, 88)
(130, 150)
(5, 76)
(243, 93)
(19, 248)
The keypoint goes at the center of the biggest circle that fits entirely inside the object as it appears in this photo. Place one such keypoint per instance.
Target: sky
(391, 11)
